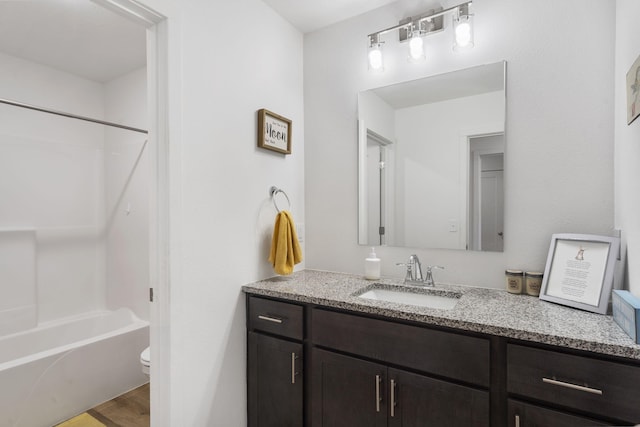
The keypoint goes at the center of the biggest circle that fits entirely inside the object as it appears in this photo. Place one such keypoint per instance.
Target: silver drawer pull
(393, 398)
(270, 319)
(573, 386)
(293, 368)
(378, 399)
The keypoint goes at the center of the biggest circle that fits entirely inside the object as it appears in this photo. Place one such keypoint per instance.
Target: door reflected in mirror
(431, 161)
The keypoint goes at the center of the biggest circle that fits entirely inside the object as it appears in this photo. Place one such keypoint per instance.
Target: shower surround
(74, 218)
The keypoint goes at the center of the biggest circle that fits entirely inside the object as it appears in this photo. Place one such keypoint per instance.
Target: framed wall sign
(633, 91)
(579, 271)
(274, 132)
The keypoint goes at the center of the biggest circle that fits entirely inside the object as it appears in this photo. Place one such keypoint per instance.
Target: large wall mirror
(431, 161)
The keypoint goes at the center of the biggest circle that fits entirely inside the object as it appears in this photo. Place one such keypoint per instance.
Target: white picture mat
(275, 132)
(578, 271)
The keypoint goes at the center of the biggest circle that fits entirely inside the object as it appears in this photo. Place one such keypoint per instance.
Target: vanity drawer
(447, 354)
(522, 414)
(276, 317)
(597, 386)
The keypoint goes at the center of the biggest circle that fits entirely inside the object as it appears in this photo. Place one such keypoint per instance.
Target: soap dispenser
(372, 266)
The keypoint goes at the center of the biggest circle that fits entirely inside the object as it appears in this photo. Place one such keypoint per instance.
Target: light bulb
(416, 48)
(375, 57)
(462, 32)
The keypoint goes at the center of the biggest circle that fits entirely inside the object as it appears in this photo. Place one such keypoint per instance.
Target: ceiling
(311, 15)
(76, 36)
(85, 39)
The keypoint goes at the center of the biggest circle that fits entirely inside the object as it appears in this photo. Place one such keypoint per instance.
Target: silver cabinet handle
(270, 319)
(517, 420)
(378, 399)
(293, 368)
(393, 398)
(572, 386)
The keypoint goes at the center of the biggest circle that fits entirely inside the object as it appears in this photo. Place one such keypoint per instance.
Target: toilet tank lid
(145, 356)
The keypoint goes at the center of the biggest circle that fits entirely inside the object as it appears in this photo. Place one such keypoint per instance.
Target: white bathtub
(59, 369)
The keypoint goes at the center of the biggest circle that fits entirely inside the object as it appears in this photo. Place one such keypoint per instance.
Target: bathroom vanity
(320, 355)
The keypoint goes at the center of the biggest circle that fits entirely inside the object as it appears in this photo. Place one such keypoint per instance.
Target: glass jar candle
(515, 281)
(533, 282)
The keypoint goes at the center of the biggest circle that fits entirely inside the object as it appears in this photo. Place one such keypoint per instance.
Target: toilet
(145, 360)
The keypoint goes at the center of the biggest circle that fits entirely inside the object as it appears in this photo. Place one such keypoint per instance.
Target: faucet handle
(429, 279)
(409, 269)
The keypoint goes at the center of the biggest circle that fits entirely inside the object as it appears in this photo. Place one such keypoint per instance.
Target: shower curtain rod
(72, 116)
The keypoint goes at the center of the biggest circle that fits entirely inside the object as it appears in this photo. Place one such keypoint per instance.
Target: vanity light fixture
(414, 29)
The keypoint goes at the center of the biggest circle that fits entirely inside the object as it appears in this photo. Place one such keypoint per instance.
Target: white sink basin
(418, 297)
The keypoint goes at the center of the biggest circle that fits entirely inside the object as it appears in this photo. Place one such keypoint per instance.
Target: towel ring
(275, 190)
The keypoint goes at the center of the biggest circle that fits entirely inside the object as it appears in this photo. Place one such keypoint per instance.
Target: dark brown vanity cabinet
(275, 364)
(368, 387)
(362, 370)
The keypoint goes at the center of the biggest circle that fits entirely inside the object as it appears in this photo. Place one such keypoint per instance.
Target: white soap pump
(372, 266)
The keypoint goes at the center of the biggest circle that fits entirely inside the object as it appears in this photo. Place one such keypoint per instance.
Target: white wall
(627, 147)
(377, 115)
(220, 73)
(559, 149)
(127, 175)
(51, 181)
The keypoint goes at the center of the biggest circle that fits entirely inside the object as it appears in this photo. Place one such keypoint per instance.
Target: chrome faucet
(414, 272)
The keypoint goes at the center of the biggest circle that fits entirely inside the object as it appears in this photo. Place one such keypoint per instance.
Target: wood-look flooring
(128, 410)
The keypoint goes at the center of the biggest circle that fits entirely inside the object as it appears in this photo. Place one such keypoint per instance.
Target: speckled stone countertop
(489, 311)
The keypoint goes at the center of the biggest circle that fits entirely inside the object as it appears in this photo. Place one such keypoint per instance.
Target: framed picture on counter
(579, 271)
(274, 132)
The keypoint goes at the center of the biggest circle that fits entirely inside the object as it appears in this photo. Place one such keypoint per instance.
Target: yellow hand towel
(285, 250)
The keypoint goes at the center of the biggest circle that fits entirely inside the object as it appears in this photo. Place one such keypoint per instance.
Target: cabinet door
(347, 392)
(275, 389)
(526, 415)
(418, 401)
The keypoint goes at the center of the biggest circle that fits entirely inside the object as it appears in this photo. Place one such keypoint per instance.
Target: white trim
(159, 236)
(133, 11)
(377, 137)
(475, 220)
(157, 54)
(465, 134)
(363, 223)
(364, 135)
(390, 196)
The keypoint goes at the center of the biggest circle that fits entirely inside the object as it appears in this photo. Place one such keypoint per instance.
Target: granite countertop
(489, 311)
